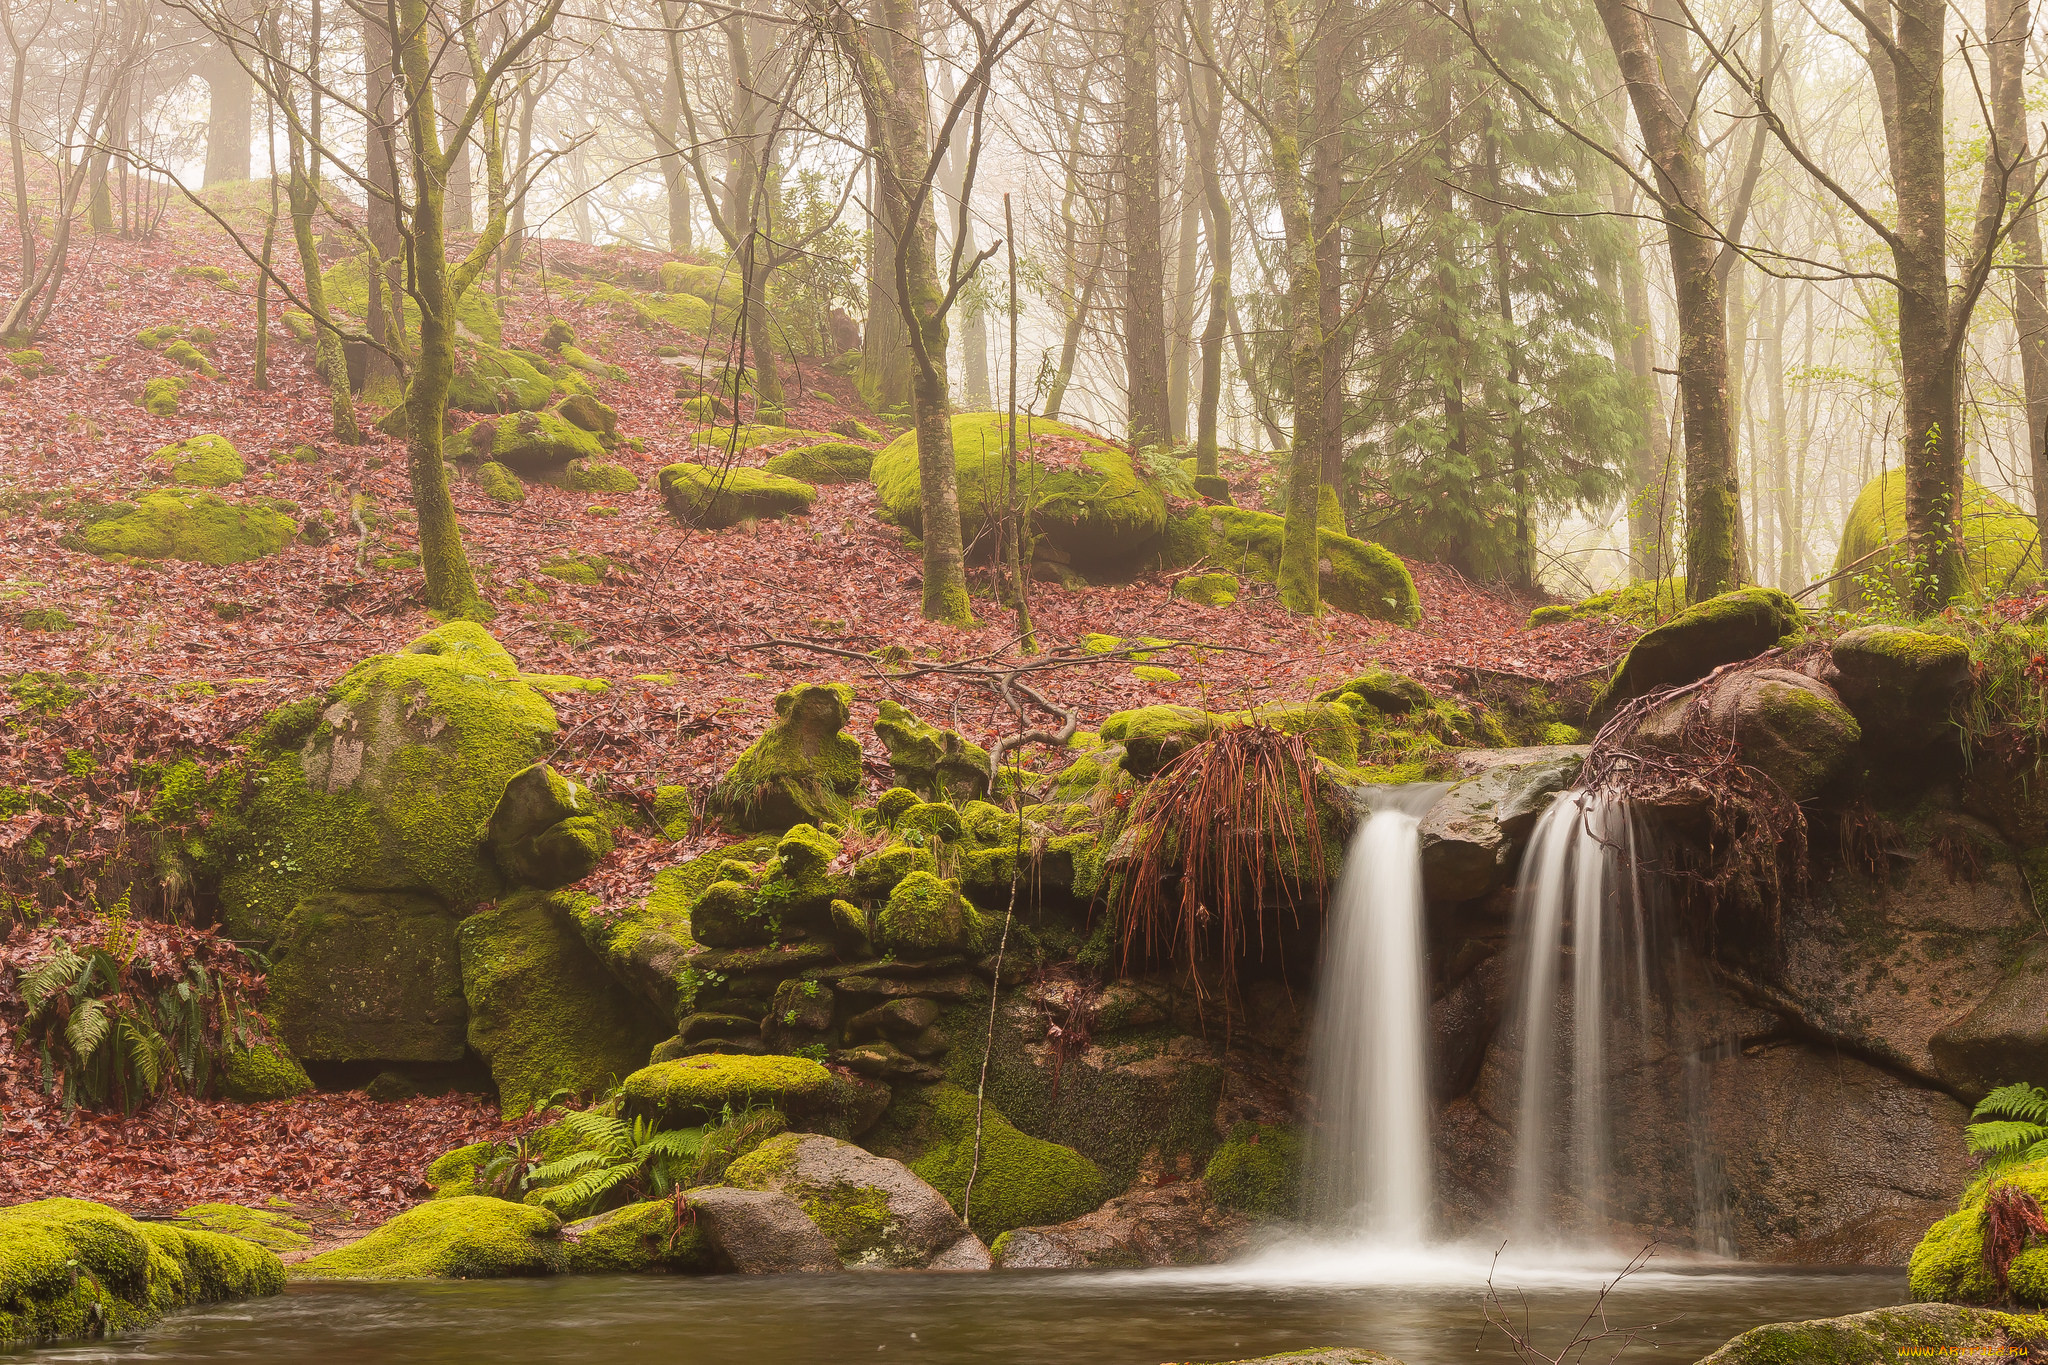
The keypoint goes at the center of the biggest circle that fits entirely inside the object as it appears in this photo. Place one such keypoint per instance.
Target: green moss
(830, 462)
(265, 1072)
(1367, 580)
(204, 461)
(470, 1237)
(498, 483)
(1734, 626)
(719, 284)
(934, 763)
(267, 1228)
(1149, 673)
(31, 362)
(542, 1010)
(1888, 1336)
(190, 356)
(1948, 1264)
(45, 618)
(1020, 1182)
(1099, 512)
(926, 917)
(638, 1237)
(1257, 1170)
(199, 527)
(701, 496)
(594, 476)
(802, 769)
(1208, 589)
(696, 1090)
(488, 379)
(70, 1268)
(210, 274)
(530, 442)
(1641, 603)
(573, 571)
(1354, 576)
(682, 311)
(160, 396)
(1997, 541)
(348, 292)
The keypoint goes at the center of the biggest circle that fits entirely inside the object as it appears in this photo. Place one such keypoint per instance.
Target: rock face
(698, 495)
(2005, 1038)
(1892, 1334)
(71, 1268)
(761, 1232)
(875, 1213)
(1471, 836)
(1722, 630)
(545, 830)
(361, 975)
(1162, 1225)
(1901, 684)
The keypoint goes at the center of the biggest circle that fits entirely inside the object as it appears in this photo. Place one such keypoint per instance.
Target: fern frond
(584, 1191)
(564, 1167)
(50, 979)
(599, 1130)
(2003, 1137)
(676, 1142)
(145, 1049)
(87, 1029)
(2020, 1101)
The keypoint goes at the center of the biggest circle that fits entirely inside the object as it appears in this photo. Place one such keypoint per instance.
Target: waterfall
(1572, 903)
(1371, 1157)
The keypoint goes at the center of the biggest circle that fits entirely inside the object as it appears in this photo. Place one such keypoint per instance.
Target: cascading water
(1573, 904)
(1371, 1153)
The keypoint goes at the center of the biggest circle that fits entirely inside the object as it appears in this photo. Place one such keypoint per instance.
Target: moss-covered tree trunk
(1205, 104)
(1299, 548)
(1144, 262)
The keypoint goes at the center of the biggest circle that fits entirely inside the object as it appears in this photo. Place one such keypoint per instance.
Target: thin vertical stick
(1016, 536)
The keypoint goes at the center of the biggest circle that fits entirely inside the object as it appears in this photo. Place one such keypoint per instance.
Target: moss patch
(470, 1237)
(1257, 1170)
(262, 1073)
(1021, 1182)
(267, 1228)
(696, 1090)
(700, 496)
(802, 770)
(205, 461)
(829, 462)
(1997, 542)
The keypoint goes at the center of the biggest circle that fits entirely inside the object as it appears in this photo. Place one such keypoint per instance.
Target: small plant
(2012, 1218)
(2012, 1126)
(619, 1157)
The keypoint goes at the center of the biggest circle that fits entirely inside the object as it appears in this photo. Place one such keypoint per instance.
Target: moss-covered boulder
(202, 528)
(935, 763)
(803, 770)
(542, 1010)
(359, 976)
(593, 476)
(529, 443)
(1363, 579)
(727, 441)
(1948, 1265)
(385, 784)
(498, 483)
(1901, 685)
(1786, 725)
(1353, 576)
(872, 1209)
(265, 1072)
(637, 1237)
(1721, 630)
(827, 462)
(205, 461)
(469, 1237)
(546, 830)
(271, 1229)
(1208, 589)
(1020, 1180)
(1998, 545)
(1257, 1170)
(699, 495)
(160, 396)
(695, 1090)
(488, 379)
(925, 917)
(1891, 1336)
(70, 1268)
(1090, 505)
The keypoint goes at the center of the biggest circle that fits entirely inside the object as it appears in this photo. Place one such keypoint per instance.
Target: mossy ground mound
(1641, 604)
(202, 528)
(1948, 1265)
(1353, 576)
(1090, 506)
(696, 1090)
(488, 379)
(1257, 1170)
(265, 1072)
(530, 443)
(1998, 542)
(470, 1237)
(70, 1268)
(701, 496)
(205, 461)
(829, 462)
(803, 770)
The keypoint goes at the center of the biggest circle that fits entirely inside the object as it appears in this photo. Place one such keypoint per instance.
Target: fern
(2028, 1103)
(2013, 1126)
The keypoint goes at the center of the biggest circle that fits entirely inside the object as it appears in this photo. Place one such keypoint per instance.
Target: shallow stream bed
(1422, 1311)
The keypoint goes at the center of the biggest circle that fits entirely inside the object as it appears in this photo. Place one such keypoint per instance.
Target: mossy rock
(713, 498)
(542, 1010)
(1948, 1264)
(469, 1237)
(383, 785)
(638, 1237)
(1021, 1181)
(1903, 685)
(1721, 630)
(803, 770)
(70, 1268)
(1257, 1170)
(690, 1091)
(488, 379)
(498, 483)
(160, 397)
(1998, 543)
(830, 462)
(588, 412)
(876, 1213)
(727, 441)
(925, 917)
(348, 292)
(593, 476)
(1353, 576)
(1643, 603)
(935, 763)
(530, 443)
(1363, 579)
(368, 976)
(268, 1228)
(201, 528)
(1890, 1336)
(546, 830)
(265, 1072)
(715, 284)
(204, 461)
(1208, 589)
(1091, 504)
(682, 311)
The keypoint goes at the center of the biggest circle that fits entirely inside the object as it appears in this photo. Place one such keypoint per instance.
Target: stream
(1422, 1311)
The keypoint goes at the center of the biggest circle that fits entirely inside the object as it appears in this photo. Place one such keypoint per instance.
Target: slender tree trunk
(1649, 492)
(453, 97)
(885, 358)
(1144, 264)
(675, 169)
(1791, 571)
(1326, 177)
(1300, 550)
(231, 102)
(1713, 508)
(385, 319)
(1186, 261)
(2008, 23)
(515, 232)
(1070, 337)
(1206, 107)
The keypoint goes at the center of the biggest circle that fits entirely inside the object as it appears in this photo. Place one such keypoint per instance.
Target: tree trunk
(231, 101)
(1300, 551)
(453, 97)
(1649, 484)
(1206, 109)
(2007, 26)
(1070, 338)
(386, 244)
(1785, 492)
(1180, 337)
(1144, 264)
(675, 172)
(1712, 506)
(1326, 175)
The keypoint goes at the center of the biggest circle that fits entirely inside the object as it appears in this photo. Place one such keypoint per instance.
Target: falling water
(1571, 902)
(1372, 1157)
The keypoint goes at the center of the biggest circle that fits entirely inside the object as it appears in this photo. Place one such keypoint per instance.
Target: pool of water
(1423, 1309)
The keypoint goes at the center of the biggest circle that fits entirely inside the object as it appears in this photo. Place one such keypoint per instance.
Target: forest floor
(675, 624)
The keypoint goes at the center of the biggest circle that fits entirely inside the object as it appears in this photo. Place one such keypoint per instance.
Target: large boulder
(1018, 1180)
(542, 1010)
(802, 770)
(1090, 505)
(1721, 630)
(529, 443)
(700, 495)
(71, 1268)
(368, 975)
(827, 462)
(873, 1210)
(202, 528)
(1470, 835)
(1789, 726)
(2005, 1037)
(1915, 1331)
(689, 1091)
(545, 830)
(1353, 576)
(639, 1237)
(1160, 1225)
(1998, 542)
(1901, 685)
(468, 1237)
(761, 1232)
(385, 783)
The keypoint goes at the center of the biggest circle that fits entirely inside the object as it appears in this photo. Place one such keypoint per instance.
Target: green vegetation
(831, 462)
(201, 527)
(714, 498)
(471, 1237)
(617, 1160)
(205, 461)
(1021, 1181)
(159, 397)
(692, 1091)
(1643, 603)
(1999, 550)
(1257, 1170)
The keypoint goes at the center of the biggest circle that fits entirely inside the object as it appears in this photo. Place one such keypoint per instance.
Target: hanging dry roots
(2011, 1218)
(1224, 839)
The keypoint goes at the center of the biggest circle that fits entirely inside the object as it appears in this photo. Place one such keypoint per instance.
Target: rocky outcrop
(873, 1211)
(761, 1232)
(802, 770)
(1901, 685)
(1472, 835)
(1941, 1331)
(1784, 724)
(1161, 1225)
(1722, 630)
